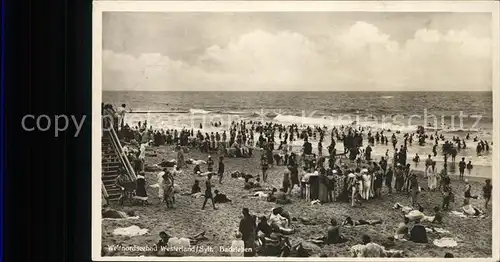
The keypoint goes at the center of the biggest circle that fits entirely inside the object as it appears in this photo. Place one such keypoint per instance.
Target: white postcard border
(285, 6)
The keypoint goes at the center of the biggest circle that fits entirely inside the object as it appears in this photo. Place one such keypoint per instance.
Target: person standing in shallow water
(461, 168)
(469, 167)
(208, 192)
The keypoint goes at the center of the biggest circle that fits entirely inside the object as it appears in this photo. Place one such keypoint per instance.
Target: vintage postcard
(295, 130)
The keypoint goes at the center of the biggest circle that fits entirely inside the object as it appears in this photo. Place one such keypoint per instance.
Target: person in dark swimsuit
(487, 188)
(208, 192)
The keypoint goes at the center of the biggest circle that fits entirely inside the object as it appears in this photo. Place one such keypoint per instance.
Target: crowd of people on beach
(313, 174)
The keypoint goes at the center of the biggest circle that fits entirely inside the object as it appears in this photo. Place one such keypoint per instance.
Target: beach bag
(445, 242)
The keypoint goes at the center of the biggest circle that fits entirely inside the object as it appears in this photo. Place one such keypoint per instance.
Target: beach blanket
(458, 214)
(437, 230)
(130, 231)
(260, 194)
(315, 203)
(196, 162)
(405, 209)
(445, 242)
(197, 195)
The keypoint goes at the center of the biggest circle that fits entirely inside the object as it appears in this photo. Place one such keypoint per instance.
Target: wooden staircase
(111, 165)
(113, 162)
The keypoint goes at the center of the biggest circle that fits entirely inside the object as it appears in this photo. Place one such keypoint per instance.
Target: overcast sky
(324, 51)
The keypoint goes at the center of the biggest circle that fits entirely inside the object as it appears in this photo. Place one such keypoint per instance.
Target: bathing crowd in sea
(350, 175)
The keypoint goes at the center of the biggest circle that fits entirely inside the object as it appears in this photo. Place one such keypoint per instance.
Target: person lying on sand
(404, 209)
(414, 214)
(220, 198)
(469, 210)
(280, 223)
(167, 163)
(349, 222)
(284, 214)
(251, 184)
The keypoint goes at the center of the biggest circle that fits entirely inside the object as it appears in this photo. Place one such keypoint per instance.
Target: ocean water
(395, 111)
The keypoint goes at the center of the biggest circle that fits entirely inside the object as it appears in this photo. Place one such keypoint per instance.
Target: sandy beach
(474, 235)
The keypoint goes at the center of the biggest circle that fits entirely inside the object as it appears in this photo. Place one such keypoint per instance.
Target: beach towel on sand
(260, 194)
(445, 242)
(459, 214)
(437, 230)
(130, 231)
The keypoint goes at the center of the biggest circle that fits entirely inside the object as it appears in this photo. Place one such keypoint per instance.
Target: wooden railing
(115, 141)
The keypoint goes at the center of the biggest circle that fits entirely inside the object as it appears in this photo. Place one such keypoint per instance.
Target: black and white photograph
(307, 130)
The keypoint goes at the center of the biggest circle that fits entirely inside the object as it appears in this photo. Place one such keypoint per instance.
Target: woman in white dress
(367, 181)
(159, 176)
(431, 175)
